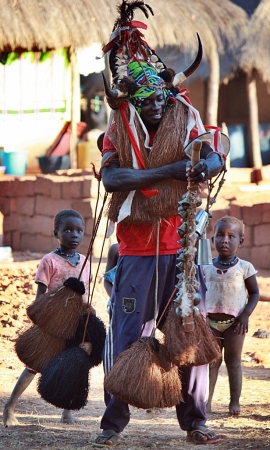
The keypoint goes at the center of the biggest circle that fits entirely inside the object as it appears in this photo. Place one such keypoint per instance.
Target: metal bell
(204, 252)
(201, 221)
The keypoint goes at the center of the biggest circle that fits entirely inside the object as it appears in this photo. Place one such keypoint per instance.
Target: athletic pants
(132, 316)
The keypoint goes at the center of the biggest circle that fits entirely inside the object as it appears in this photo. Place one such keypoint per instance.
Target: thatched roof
(45, 24)
(256, 52)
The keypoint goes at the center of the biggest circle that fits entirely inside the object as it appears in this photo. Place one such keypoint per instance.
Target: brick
(49, 207)
(26, 186)
(252, 215)
(36, 224)
(83, 207)
(236, 211)
(8, 188)
(88, 227)
(72, 188)
(261, 235)
(7, 239)
(90, 187)
(10, 223)
(37, 243)
(16, 241)
(26, 205)
(260, 257)
(266, 213)
(56, 189)
(8, 205)
(43, 185)
(246, 254)
(248, 242)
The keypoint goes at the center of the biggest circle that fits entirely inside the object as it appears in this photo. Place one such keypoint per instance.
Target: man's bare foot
(9, 418)
(234, 409)
(68, 418)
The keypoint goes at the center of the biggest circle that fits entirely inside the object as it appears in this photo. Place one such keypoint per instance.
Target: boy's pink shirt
(54, 270)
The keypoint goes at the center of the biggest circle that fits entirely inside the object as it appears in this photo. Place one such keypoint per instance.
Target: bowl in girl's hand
(2, 170)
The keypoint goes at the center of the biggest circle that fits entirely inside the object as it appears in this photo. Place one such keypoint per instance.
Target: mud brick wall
(29, 204)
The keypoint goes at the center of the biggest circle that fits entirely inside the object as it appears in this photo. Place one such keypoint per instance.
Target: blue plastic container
(15, 162)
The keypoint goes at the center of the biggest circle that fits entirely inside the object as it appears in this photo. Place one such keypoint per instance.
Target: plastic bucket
(50, 164)
(15, 162)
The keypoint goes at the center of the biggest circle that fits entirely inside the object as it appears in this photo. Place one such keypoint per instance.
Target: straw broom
(58, 312)
(36, 348)
(136, 376)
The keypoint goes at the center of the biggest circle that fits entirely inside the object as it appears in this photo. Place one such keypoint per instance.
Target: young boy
(232, 294)
(53, 270)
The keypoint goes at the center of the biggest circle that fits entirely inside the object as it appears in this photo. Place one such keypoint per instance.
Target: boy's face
(227, 238)
(70, 232)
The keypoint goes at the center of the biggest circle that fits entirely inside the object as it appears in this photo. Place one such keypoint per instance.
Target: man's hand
(198, 173)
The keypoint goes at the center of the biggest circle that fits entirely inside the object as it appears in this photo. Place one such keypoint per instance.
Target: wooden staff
(190, 270)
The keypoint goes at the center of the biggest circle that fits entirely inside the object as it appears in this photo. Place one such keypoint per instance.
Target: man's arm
(116, 178)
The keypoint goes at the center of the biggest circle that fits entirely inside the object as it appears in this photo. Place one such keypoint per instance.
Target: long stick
(189, 271)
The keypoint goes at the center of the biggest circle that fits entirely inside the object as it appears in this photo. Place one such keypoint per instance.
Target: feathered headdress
(127, 47)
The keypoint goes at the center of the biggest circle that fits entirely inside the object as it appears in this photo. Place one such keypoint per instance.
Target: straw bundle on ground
(193, 348)
(58, 312)
(95, 333)
(136, 376)
(36, 348)
(64, 382)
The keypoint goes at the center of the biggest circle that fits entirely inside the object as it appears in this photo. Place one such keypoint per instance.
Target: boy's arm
(41, 289)
(253, 298)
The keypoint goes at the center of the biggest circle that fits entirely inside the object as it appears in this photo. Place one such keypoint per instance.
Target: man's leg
(191, 413)
(23, 382)
(133, 306)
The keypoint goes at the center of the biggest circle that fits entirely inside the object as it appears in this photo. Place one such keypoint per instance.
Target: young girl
(54, 268)
(232, 294)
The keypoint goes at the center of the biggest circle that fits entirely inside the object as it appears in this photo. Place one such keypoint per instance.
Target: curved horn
(110, 93)
(181, 76)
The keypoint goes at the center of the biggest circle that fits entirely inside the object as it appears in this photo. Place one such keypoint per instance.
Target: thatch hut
(39, 26)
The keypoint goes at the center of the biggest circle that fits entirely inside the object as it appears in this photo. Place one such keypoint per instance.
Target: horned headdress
(134, 65)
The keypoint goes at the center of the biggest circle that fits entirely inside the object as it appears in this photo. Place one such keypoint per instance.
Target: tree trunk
(213, 86)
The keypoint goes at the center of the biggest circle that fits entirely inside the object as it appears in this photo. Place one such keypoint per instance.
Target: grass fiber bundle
(136, 376)
(193, 348)
(95, 333)
(64, 382)
(58, 312)
(172, 388)
(36, 348)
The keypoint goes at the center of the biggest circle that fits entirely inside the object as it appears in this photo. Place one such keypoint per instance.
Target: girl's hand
(241, 324)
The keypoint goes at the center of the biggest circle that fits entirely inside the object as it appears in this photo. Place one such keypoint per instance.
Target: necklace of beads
(227, 264)
(64, 254)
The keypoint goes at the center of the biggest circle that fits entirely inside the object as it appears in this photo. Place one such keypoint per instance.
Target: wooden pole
(256, 175)
(75, 107)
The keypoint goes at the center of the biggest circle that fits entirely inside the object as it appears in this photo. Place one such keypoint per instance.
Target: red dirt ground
(40, 427)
